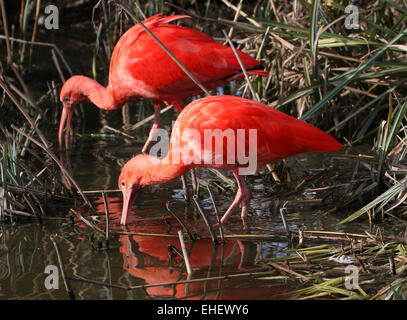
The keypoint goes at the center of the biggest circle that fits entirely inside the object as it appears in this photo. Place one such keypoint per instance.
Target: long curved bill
(128, 199)
(65, 125)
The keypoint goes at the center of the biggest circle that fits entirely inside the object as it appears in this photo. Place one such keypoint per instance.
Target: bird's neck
(102, 97)
(157, 171)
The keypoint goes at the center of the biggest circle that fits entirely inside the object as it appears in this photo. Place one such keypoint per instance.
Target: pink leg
(242, 256)
(156, 125)
(242, 196)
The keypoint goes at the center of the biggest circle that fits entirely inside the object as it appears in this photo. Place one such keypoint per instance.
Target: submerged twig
(67, 284)
(179, 220)
(286, 270)
(88, 223)
(185, 253)
(284, 220)
(215, 208)
(106, 204)
(185, 187)
(206, 220)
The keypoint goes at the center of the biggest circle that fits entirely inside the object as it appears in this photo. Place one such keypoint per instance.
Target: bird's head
(130, 181)
(71, 95)
(141, 171)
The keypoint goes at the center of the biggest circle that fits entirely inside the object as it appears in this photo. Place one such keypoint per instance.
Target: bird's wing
(278, 135)
(211, 62)
(128, 40)
(205, 57)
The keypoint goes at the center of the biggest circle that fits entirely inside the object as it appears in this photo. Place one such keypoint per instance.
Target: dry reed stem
(180, 221)
(144, 121)
(185, 253)
(206, 220)
(254, 93)
(222, 238)
(56, 160)
(25, 114)
(67, 284)
(5, 27)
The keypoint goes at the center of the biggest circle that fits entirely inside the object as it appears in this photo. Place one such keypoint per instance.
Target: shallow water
(131, 259)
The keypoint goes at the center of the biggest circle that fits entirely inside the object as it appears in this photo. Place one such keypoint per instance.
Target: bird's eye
(67, 99)
(123, 183)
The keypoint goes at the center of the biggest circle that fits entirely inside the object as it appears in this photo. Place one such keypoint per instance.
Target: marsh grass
(32, 176)
(381, 267)
(27, 188)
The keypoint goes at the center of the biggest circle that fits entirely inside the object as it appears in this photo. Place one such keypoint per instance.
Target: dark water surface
(130, 260)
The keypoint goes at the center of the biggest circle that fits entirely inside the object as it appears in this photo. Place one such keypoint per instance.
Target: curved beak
(128, 198)
(65, 124)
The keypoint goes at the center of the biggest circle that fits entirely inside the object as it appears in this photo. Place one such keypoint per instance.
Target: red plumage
(140, 68)
(278, 136)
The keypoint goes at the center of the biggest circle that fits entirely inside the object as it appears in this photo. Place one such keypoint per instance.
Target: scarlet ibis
(277, 136)
(139, 67)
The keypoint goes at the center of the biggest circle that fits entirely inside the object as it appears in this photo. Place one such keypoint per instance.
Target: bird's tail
(314, 139)
(160, 18)
(258, 71)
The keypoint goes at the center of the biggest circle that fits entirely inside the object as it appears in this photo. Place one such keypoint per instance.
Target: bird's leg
(245, 198)
(242, 196)
(243, 255)
(156, 125)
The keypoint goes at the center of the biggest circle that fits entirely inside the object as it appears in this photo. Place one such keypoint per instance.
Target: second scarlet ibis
(247, 135)
(139, 67)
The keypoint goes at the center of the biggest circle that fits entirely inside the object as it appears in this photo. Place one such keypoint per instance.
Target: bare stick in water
(217, 213)
(107, 217)
(62, 268)
(184, 252)
(205, 218)
(284, 220)
(179, 221)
